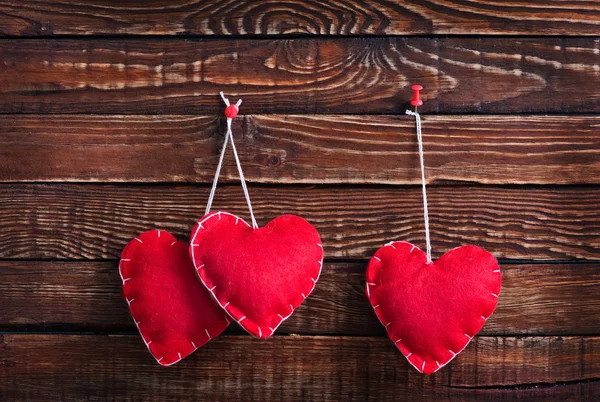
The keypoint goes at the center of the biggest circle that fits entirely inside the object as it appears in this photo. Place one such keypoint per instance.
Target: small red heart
(432, 311)
(174, 313)
(259, 276)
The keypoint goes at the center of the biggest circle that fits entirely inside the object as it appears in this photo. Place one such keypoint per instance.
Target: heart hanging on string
(259, 276)
(431, 309)
(173, 312)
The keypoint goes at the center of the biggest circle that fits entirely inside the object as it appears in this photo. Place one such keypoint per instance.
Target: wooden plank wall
(110, 124)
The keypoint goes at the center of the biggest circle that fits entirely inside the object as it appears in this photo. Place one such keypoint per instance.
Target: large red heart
(174, 313)
(259, 276)
(432, 311)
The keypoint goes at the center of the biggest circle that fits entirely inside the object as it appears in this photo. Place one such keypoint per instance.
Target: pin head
(416, 100)
(231, 111)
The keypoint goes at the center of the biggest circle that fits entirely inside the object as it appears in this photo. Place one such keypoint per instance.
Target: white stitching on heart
(494, 294)
(390, 244)
(368, 291)
(207, 217)
(137, 323)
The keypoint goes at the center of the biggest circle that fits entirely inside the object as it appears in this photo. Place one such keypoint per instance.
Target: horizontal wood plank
(75, 367)
(346, 75)
(537, 299)
(301, 149)
(293, 17)
(41, 221)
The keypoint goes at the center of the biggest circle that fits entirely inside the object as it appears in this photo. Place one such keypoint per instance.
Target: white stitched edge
(224, 307)
(134, 320)
(390, 244)
(137, 323)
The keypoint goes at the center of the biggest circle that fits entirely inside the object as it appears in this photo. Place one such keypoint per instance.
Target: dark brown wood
(96, 221)
(536, 299)
(76, 367)
(301, 149)
(346, 75)
(293, 17)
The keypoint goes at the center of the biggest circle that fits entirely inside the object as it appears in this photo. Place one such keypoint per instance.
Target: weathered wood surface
(294, 17)
(346, 75)
(536, 299)
(75, 367)
(301, 149)
(70, 221)
(323, 135)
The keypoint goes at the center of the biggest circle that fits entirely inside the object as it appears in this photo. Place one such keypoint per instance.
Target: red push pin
(416, 100)
(231, 110)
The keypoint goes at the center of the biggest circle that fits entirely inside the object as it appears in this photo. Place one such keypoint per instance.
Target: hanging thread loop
(425, 212)
(230, 112)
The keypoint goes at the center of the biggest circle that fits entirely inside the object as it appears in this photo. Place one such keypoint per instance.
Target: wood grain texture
(286, 149)
(294, 17)
(536, 299)
(346, 75)
(96, 221)
(75, 367)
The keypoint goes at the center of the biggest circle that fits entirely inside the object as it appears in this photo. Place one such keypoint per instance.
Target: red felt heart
(432, 311)
(259, 276)
(174, 313)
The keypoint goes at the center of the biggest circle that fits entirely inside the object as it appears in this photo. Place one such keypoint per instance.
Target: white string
(239, 166)
(425, 212)
(229, 137)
